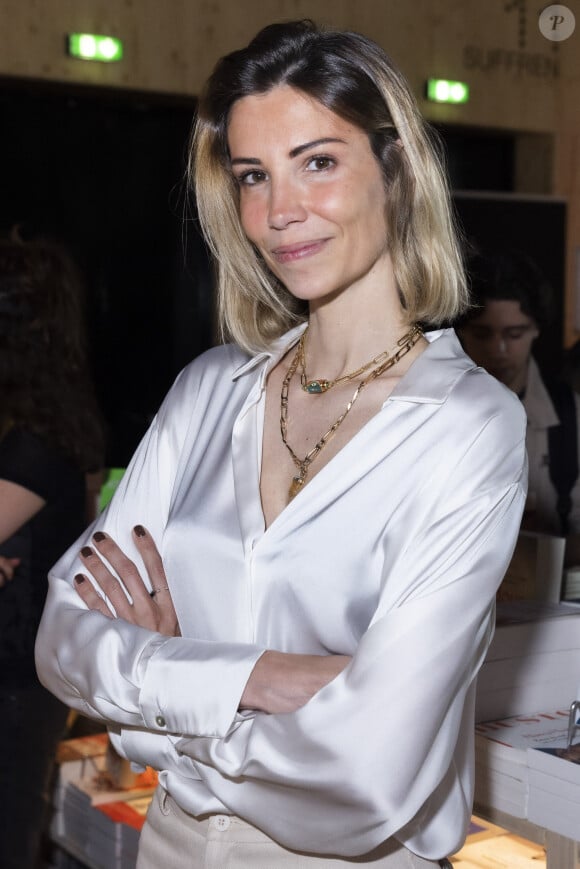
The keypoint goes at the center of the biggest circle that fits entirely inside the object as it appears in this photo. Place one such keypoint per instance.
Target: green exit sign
(91, 46)
(441, 90)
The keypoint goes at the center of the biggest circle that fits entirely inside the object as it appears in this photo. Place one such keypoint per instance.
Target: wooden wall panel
(519, 80)
(171, 47)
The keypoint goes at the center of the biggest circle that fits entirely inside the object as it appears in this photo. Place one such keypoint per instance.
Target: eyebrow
(295, 152)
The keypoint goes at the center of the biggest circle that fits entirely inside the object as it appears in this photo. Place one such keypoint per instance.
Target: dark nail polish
(79, 578)
(98, 536)
(86, 551)
(139, 531)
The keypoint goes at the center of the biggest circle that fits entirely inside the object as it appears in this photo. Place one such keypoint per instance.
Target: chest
(303, 433)
(311, 579)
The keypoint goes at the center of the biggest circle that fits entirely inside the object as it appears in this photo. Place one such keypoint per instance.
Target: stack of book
(114, 832)
(554, 788)
(533, 661)
(524, 767)
(501, 776)
(529, 680)
(94, 818)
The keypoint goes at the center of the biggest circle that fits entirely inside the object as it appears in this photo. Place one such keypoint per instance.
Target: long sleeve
(392, 554)
(119, 672)
(377, 751)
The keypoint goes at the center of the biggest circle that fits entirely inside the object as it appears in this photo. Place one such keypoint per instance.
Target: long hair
(45, 385)
(351, 76)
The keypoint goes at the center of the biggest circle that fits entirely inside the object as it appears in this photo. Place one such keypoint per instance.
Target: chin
(312, 294)
(504, 376)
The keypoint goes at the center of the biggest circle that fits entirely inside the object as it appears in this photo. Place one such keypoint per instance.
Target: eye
(251, 177)
(320, 163)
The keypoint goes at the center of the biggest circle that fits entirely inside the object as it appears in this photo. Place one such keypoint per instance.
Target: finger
(151, 559)
(160, 591)
(123, 566)
(91, 597)
(108, 582)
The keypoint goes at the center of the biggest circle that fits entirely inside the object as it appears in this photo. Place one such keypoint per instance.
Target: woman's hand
(283, 682)
(150, 609)
(7, 568)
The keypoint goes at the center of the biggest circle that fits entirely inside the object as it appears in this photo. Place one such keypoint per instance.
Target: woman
(50, 436)
(334, 496)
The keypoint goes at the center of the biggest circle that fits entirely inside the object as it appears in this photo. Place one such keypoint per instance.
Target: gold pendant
(295, 486)
(317, 387)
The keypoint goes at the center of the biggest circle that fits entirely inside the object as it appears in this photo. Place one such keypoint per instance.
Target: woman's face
(312, 196)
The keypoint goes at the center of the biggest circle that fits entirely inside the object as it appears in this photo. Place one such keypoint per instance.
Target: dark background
(102, 171)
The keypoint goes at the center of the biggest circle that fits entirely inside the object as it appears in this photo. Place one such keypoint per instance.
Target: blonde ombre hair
(353, 77)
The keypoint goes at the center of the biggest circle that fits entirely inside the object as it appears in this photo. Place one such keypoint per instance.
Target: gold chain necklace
(320, 385)
(303, 465)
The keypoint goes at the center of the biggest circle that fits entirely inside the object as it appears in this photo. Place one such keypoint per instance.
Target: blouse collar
(424, 382)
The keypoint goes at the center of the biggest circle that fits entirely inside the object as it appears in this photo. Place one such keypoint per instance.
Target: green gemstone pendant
(316, 387)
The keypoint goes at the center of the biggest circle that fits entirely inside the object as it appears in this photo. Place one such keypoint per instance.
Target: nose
(499, 346)
(285, 205)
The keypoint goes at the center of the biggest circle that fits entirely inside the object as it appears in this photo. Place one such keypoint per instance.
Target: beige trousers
(173, 839)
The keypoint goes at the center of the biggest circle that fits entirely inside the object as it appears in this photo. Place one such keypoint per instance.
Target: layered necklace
(377, 365)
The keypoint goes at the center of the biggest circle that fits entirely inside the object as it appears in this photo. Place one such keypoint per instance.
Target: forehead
(285, 115)
(502, 313)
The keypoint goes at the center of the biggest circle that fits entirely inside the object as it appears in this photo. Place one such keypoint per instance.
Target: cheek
(252, 218)
(363, 211)
(525, 349)
(371, 213)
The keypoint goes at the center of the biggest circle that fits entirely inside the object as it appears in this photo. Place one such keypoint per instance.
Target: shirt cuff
(193, 687)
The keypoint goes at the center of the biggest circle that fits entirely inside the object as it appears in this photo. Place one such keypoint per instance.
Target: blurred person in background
(512, 303)
(51, 438)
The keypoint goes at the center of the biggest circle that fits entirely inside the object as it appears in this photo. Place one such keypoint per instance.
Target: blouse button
(222, 822)
(160, 721)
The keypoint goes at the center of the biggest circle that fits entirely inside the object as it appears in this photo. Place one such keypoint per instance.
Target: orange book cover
(93, 745)
(122, 812)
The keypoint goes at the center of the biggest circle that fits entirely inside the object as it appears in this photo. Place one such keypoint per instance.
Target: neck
(355, 324)
(336, 345)
(518, 384)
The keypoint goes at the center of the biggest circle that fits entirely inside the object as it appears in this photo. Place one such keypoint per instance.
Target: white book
(553, 690)
(554, 812)
(533, 661)
(529, 627)
(518, 770)
(551, 784)
(545, 729)
(504, 793)
(563, 664)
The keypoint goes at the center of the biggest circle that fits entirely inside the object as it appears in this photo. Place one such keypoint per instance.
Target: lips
(291, 252)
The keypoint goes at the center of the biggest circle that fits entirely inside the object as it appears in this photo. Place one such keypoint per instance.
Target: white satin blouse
(392, 553)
